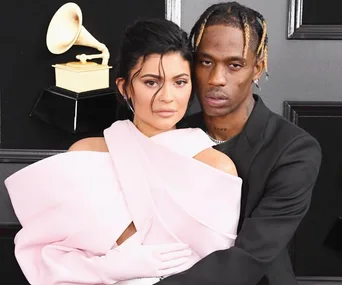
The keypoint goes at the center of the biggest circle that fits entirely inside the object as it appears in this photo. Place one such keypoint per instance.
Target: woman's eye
(151, 83)
(181, 82)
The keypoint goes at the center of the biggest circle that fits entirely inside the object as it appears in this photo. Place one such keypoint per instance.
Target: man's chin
(214, 112)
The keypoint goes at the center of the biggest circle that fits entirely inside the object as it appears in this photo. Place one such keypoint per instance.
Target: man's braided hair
(235, 15)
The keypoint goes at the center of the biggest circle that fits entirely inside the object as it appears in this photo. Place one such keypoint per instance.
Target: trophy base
(334, 238)
(76, 112)
(82, 77)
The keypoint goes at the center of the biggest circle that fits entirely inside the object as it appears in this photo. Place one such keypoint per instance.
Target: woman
(145, 201)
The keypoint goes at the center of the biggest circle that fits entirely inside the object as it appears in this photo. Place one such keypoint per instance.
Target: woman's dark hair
(145, 37)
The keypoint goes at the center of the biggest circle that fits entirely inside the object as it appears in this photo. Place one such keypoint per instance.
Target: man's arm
(271, 226)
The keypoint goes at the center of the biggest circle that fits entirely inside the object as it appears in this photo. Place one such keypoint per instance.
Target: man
(278, 161)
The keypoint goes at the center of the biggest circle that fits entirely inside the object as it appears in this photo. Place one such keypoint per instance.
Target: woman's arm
(45, 261)
(90, 144)
(217, 160)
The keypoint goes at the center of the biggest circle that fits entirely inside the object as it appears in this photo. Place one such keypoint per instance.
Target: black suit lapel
(242, 155)
(247, 147)
(246, 155)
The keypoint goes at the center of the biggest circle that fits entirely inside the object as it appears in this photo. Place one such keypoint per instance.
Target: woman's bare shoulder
(90, 144)
(217, 160)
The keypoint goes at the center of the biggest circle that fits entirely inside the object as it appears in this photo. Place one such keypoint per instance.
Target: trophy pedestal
(333, 240)
(82, 77)
(76, 112)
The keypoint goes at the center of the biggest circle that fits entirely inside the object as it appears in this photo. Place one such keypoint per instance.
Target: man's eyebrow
(229, 58)
(236, 58)
(203, 54)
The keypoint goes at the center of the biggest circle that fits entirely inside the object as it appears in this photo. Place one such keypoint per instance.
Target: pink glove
(133, 259)
(64, 265)
(139, 261)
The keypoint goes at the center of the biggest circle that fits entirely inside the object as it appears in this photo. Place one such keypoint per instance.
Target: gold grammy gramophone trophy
(81, 100)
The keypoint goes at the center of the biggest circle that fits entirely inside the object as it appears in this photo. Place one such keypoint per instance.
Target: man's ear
(259, 68)
(120, 83)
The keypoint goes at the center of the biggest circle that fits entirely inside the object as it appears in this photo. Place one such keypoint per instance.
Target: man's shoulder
(272, 125)
(281, 131)
(283, 125)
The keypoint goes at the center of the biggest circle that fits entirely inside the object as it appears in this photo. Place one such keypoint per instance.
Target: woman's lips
(165, 113)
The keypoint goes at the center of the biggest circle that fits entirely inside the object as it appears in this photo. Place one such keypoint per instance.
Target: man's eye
(235, 66)
(181, 82)
(206, 62)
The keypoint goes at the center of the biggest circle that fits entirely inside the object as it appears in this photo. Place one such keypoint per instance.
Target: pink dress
(74, 206)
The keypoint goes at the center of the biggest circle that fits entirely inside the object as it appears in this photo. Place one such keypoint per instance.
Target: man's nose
(218, 76)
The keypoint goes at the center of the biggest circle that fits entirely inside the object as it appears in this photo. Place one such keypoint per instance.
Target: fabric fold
(79, 203)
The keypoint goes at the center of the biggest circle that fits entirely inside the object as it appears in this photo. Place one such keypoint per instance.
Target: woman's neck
(147, 129)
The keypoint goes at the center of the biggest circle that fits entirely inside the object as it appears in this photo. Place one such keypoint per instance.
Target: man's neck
(225, 127)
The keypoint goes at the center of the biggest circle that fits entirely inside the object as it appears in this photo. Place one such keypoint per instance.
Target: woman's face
(170, 74)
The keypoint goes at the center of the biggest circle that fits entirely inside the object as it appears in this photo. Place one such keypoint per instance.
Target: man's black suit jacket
(279, 163)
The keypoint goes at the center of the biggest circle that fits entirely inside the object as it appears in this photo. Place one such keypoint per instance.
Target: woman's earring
(256, 82)
(129, 104)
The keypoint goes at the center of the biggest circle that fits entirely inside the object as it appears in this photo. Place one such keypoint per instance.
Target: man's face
(223, 78)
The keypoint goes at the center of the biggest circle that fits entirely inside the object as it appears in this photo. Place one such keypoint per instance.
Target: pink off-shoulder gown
(74, 206)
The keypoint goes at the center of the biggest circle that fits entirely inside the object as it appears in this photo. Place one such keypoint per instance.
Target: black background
(314, 253)
(322, 12)
(26, 62)
(25, 71)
